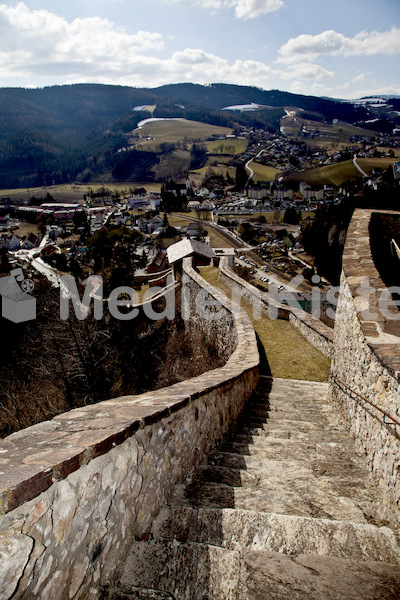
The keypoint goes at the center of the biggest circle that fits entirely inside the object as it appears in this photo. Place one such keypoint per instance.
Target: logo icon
(17, 305)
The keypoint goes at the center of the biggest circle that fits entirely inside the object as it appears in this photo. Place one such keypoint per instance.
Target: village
(260, 222)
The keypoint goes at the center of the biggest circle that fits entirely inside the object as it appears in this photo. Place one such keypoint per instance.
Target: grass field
(218, 159)
(263, 172)
(340, 172)
(172, 163)
(337, 132)
(232, 147)
(74, 193)
(368, 164)
(346, 171)
(172, 132)
(289, 354)
(219, 169)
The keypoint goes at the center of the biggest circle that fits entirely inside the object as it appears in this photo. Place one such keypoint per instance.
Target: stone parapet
(366, 360)
(380, 326)
(77, 490)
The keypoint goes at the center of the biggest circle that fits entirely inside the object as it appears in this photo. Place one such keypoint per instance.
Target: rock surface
(284, 508)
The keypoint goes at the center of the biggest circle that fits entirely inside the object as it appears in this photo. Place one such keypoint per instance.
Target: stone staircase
(283, 509)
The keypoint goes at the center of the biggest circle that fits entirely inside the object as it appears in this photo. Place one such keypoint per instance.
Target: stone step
(187, 571)
(295, 384)
(239, 472)
(280, 496)
(286, 425)
(313, 437)
(243, 530)
(278, 413)
(194, 571)
(132, 592)
(283, 509)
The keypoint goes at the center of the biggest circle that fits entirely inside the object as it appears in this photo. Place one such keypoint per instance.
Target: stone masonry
(366, 361)
(77, 490)
(283, 508)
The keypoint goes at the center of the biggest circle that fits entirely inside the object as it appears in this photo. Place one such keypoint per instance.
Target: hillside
(340, 172)
(72, 133)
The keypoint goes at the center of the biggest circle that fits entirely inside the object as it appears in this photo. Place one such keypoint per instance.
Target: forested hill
(220, 95)
(59, 133)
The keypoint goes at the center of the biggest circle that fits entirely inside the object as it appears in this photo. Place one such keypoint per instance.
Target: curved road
(357, 166)
(247, 165)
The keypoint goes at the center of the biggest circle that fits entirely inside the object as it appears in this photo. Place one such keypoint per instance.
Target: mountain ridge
(57, 133)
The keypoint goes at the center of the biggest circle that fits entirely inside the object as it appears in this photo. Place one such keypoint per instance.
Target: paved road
(38, 264)
(247, 165)
(357, 166)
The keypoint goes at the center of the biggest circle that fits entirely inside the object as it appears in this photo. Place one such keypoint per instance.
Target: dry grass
(341, 171)
(74, 193)
(171, 164)
(229, 146)
(368, 164)
(263, 172)
(175, 131)
(289, 354)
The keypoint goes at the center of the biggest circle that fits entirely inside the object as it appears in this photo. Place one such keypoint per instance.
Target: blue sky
(333, 48)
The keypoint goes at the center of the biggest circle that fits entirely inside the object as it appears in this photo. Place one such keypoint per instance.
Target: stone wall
(316, 332)
(366, 360)
(77, 490)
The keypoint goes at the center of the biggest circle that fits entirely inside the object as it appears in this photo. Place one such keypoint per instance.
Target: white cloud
(372, 91)
(249, 9)
(306, 71)
(43, 42)
(342, 91)
(198, 66)
(244, 9)
(330, 42)
(40, 45)
(357, 78)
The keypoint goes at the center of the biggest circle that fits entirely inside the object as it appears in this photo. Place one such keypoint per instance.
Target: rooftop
(188, 247)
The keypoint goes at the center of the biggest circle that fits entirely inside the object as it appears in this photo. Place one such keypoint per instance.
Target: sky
(337, 48)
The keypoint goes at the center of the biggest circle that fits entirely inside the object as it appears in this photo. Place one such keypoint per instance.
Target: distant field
(174, 162)
(367, 164)
(219, 169)
(346, 171)
(230, 146)
(217, 158)
(311, 176)
(175, 131)
(340, 172)
(339, 132)
(74, 193)
(263, 172)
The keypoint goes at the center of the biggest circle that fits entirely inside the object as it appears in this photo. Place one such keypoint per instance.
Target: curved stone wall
(77, 490)
(366, 359)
